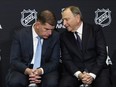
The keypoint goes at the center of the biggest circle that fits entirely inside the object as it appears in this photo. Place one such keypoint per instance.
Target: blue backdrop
(15, 14)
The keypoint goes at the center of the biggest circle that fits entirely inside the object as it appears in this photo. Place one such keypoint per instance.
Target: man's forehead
(66, 14)
(47, 25)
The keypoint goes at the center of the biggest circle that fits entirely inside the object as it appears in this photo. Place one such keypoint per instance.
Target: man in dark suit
(23, 50)
(83, 50)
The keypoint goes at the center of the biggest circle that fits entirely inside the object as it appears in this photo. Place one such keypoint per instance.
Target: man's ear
(37, 24)
(78, 18)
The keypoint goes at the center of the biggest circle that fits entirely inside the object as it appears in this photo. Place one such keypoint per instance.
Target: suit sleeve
(16, 54)
(100, 48)
(66, 57)
(52, 56)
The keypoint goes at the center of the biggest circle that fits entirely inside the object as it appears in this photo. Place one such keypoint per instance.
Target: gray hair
(75, 10)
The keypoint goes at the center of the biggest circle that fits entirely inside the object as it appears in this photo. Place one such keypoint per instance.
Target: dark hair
(47, 16)
(75, 10)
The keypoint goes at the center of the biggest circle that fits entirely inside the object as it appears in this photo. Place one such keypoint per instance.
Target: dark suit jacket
(93, 54)
(22, 51)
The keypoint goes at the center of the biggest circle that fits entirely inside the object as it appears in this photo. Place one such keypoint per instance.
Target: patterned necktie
(78, 39)
(37, 60)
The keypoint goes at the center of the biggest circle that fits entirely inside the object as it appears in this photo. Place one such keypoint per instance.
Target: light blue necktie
(37, 60)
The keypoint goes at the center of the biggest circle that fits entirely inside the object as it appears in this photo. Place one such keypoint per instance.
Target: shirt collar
(33, 32)
(80, 29)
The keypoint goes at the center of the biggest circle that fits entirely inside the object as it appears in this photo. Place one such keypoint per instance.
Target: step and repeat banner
(15, 14)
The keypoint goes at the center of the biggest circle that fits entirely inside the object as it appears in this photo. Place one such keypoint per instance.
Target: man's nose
(64, 23)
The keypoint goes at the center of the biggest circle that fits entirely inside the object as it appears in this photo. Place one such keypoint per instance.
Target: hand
(81, 76)
(28, 71)
(87, 79)
(38, 71)
(34, 78)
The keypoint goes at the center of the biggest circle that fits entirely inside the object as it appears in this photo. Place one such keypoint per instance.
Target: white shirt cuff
(42, 70)
(77, 74)
(93, 75)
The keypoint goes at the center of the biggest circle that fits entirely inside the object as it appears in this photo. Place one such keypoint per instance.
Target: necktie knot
(77, 36)
(38, 37)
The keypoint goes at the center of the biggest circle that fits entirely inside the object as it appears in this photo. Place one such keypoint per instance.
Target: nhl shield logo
(103, 17)
(28, 17)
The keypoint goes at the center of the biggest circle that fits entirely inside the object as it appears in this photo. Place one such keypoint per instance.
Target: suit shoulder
(20, 33)
(94, 27)
(97, 27)
(64, 33)
(55, 33)
(22, 30)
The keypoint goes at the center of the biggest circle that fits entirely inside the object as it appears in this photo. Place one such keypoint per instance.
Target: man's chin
(46, 37)
(69, 29)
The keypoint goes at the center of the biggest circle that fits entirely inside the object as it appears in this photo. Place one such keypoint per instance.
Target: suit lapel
(29, 41)
(45, 45)
(74, 45)
(71, 38)
(85, 36)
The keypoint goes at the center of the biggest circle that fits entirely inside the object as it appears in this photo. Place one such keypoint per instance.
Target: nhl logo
(103, 17)
(59, 24)
(28, 17)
